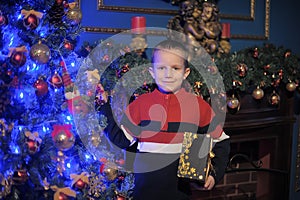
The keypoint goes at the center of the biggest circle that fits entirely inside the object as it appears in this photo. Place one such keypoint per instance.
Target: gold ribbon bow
(16, 49)
(72, 5)
(66, 190)
(33, 136)
(26, 13)
(84, 176)
(93, 75)
(4, 128)
(6, 184)
(72, 95)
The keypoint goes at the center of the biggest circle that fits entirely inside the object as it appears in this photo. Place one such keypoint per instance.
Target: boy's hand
(103, 96)
(209, 183)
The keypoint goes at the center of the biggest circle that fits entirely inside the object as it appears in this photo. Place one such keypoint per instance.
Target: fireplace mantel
(266, 133)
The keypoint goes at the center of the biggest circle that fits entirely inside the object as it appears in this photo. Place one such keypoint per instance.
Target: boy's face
(168, 71)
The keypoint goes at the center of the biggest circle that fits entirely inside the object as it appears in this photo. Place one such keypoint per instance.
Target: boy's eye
(177, 67)
(173, 68)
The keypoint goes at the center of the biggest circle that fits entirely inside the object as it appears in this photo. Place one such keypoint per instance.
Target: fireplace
(260, 152)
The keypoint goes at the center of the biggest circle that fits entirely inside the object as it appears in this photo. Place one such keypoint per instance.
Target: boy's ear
(151, 71)
(186, 72)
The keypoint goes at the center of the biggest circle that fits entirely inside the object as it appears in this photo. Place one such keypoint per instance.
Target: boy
(156, 122)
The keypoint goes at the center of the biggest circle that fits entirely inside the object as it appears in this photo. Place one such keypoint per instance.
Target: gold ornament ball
(258, 93)
(63, 142)
(74, 16)
(138, 42)
(110, 171)
(274, 99)
(95, 140)
(291, 86)
(40, 53)
(233, 102)
(60, 169)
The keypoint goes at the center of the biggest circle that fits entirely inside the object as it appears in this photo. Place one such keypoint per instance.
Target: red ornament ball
(20, 176)
(274, 99)
(242, 69)
(120, 197)
(3, 20)
(90, 93)
(80, 184)
(65, 4)
(287, 54)
(9, 72)
(18, 59)
(103, 160)
(62, 196)
(68, 45)
(59, 2)
(56, 80)
(267, 67)
(255, 53)
(106, 58)
(213, 69)
(121, 162)
(41, 87)
(125, 68)
(33, 146)
(31, 21)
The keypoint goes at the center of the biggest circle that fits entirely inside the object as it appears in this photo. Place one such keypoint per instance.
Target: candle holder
(138, 30)
(199, 21)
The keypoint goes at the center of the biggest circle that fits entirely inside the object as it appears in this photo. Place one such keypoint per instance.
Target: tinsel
(28, 155)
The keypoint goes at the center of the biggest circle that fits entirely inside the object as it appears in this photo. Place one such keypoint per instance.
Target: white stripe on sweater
(221, 138)
(128, 136)
(153, 147)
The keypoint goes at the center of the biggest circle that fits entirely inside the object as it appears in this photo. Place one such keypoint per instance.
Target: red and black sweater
(157, 122)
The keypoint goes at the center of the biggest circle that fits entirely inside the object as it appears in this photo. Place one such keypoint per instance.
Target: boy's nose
(168, 72)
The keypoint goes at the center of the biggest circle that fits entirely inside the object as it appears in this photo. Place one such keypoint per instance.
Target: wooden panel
(132, 9)
(297, 177)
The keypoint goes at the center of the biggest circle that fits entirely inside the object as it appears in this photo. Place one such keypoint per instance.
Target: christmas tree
(43, 156)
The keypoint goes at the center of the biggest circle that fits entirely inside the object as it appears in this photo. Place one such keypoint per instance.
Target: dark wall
(285, 25)
(284, 16)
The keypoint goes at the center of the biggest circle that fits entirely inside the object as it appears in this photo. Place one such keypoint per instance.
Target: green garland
(266, 66)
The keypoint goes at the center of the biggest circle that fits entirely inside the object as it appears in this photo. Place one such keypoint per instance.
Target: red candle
(138, 24)
(225, 30)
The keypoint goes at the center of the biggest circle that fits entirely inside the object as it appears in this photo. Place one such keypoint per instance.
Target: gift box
(195, 159)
